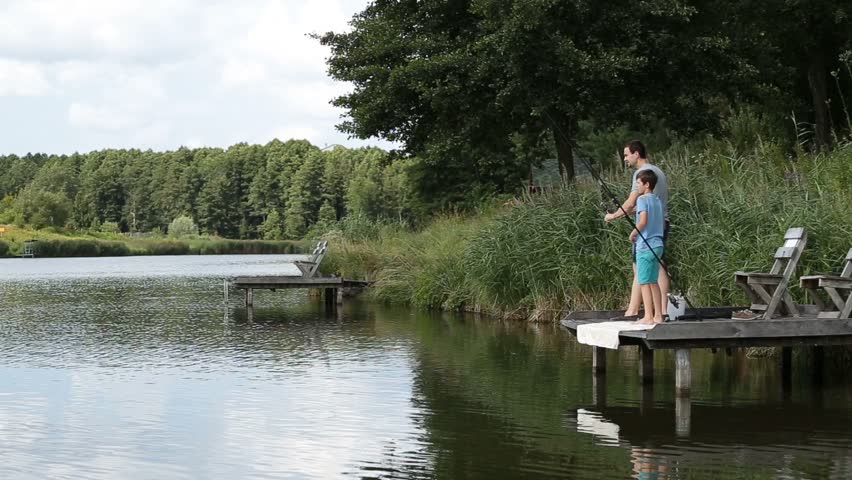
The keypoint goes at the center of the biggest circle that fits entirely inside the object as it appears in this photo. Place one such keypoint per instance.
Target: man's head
(646, 180)
(634, 150)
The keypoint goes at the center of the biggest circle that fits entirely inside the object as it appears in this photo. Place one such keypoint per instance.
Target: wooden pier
(716, 329)
(332, 286)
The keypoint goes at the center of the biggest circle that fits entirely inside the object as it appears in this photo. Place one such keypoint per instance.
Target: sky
(82, 75)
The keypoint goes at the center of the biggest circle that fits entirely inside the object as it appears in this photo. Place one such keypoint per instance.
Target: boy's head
(646, 180)
(633, 151)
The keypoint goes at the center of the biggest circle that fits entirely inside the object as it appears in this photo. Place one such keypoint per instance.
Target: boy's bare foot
(627, 317)
(645, 321)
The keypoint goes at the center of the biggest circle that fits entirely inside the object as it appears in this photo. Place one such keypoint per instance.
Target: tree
(364, 192)
(457, 83)
(304, 196)
(811, 36)
(41, 208)
(272, 228)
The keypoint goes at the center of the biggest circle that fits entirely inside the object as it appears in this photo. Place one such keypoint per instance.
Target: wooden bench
(309, 268)
(768, 291)
(837, 288)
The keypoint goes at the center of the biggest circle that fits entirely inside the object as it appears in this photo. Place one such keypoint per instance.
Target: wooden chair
(838, 289)
(768, 291)
(309, 268)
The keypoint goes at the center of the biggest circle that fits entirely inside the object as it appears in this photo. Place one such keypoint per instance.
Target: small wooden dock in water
(332, 286)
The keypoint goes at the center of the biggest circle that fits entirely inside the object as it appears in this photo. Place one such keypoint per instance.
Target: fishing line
(558, 130)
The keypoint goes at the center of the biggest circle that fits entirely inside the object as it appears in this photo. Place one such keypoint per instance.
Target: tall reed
(553, 251)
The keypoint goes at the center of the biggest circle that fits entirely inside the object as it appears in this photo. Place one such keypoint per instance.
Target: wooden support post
(683, 372)
(598, 390)
(787, 374)
(330, 295)
(646, 398)
(646, 364)
(819, 363)
(226, 290)
(598, 360)
(787, 365)
(339, 295)
(249, 297)
(683, 415)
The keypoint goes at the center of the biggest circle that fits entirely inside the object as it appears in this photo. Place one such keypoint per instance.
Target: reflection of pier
(718, 330)
(748, 425)
(674, 442)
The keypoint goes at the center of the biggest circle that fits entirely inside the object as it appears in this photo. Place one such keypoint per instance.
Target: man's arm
(628, 206)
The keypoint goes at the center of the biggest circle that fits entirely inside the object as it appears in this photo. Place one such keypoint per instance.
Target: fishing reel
(609, 206)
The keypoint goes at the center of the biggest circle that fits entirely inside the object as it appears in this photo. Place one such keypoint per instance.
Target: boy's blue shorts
(647, 266)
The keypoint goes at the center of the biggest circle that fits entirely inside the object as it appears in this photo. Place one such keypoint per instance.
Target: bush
(4, 249)
(110, 227)
(183, 226)
(221, 247)
(81, 248)
(165, 247)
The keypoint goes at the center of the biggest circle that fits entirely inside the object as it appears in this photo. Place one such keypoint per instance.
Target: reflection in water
(109, 372)
(755, 437)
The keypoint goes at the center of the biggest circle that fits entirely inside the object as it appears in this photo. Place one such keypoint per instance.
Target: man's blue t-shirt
(653, 230)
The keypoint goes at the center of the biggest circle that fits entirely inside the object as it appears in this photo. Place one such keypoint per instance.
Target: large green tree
(465, 84)
(811, 36)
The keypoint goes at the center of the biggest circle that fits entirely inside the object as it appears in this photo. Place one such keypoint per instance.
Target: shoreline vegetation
(52, 243)
(541, 255)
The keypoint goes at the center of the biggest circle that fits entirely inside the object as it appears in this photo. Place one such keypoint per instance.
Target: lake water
(134, 368)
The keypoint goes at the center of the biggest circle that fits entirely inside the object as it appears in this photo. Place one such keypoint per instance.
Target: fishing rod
(558, 130)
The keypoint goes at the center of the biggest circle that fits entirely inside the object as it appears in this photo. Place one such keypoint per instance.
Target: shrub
(109, 227)
(183, 226)
(166, 247)
(81, 248)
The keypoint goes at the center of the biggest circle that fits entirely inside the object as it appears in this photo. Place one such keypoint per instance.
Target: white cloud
(22, 79)
(99, 117)
(154, 73)
(237, 73)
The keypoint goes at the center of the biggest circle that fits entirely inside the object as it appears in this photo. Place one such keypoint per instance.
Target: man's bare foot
(645, 321)
(658, 320)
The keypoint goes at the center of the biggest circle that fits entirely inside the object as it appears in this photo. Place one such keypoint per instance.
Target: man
(636, 156)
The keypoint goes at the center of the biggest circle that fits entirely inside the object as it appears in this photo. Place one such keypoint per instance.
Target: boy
(650, 223)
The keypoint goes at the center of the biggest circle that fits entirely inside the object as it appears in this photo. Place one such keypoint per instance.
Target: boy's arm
(643, 221)
(628, 206)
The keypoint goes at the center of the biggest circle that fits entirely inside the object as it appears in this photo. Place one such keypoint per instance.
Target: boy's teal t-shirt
(653, 231)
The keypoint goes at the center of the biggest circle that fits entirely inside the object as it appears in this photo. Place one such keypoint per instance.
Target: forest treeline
(275, 191)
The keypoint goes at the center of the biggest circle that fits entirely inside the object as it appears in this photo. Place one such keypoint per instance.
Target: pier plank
(726, 332)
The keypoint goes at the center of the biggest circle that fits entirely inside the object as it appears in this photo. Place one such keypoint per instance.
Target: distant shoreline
(53, 244)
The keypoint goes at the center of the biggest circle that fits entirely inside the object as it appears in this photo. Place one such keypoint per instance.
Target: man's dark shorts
(665, 241)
